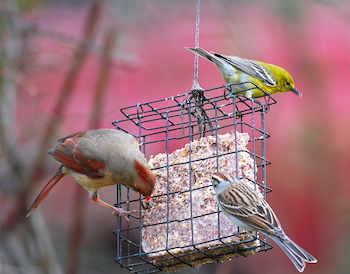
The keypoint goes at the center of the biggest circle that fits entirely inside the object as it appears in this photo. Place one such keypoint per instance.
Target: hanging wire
(196, 98)
(196, 43)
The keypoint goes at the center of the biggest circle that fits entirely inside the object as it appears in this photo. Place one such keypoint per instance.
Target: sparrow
(97, 158)
(244, 207)
(248, 77)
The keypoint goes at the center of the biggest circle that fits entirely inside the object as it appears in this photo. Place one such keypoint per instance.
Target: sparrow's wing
(250, 67)
(244, 204)
(70, 155)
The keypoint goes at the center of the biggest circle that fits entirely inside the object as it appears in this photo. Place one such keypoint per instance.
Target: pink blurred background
(310, 136)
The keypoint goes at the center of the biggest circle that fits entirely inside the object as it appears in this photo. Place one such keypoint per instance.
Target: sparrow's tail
(296, 254)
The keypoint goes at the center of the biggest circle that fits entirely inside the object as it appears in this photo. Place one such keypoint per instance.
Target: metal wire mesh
(166, 125)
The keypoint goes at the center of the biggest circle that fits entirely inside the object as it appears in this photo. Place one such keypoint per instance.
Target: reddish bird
(97, 158)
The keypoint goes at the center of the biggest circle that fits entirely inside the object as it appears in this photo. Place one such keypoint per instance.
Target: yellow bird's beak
(297, 92)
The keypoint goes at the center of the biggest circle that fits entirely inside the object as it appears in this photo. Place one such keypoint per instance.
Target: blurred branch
(12, 51)
(103, 76)
(11, 146)
(56, 117)
(95, 120)
(16, 244)
(67, 88)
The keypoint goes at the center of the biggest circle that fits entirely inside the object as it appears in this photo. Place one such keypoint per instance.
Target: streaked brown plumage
(97, 158)
(244, 207)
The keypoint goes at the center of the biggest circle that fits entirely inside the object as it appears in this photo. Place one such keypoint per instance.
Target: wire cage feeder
(187, 138)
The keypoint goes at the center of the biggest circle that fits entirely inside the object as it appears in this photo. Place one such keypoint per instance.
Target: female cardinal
(97, 158)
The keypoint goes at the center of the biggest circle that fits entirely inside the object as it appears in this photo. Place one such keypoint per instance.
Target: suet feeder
(187, 138)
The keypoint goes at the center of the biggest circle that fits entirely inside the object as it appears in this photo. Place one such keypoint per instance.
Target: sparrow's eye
(215, 181)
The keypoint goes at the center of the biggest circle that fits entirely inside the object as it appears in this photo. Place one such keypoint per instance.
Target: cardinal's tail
(46, 190)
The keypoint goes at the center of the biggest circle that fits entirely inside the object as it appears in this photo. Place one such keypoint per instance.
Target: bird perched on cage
(98, 158)
(243, 206)
(248, 77)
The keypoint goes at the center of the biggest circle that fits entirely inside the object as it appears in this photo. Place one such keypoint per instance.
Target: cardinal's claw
(123, 212)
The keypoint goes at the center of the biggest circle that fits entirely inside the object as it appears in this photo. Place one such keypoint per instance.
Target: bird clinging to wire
(244, 207)
(97, 158)
(251, 78)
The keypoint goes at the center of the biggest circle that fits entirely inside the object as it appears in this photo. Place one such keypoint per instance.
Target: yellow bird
(251, 78)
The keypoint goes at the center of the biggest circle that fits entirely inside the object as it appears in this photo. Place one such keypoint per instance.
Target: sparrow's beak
(297, 92)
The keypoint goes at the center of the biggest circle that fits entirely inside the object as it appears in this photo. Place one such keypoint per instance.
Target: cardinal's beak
(147, 198)
(297, 92)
